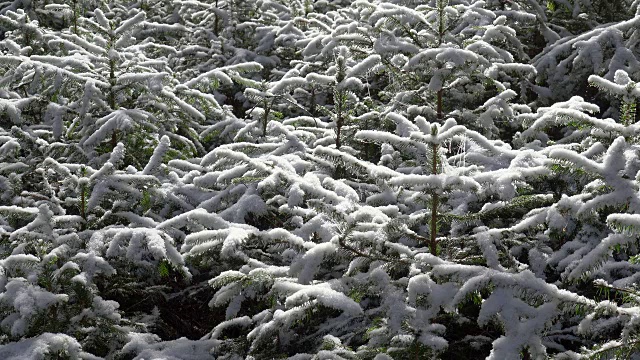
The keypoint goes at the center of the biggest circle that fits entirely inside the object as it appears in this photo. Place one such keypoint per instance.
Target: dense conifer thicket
(319, 179)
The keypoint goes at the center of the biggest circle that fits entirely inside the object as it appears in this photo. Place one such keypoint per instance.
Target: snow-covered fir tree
(335, 179)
